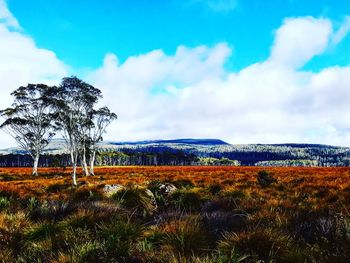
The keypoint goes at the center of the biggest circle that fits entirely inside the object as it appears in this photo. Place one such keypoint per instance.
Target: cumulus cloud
(191, 94)
(6, 16)
(300, 39)
(22, 62)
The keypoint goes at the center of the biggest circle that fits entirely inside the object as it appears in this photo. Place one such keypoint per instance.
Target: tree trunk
(35, 165)
(74, 175)
(84, 163)
(74, 164)
(92, 162)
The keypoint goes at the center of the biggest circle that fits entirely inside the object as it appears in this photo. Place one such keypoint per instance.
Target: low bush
(186, 200)
(4, 203)
(215, 189)
(226, 217)
(138, 199)
(183, 183)
(90, 251)
(55, 188)
(220, 222)
(186, 236)
(49, 210)
(264, 178)
(260, 244)
(86, 193)
(119, 238)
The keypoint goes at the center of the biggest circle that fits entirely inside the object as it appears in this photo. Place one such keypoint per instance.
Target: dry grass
(218, 214)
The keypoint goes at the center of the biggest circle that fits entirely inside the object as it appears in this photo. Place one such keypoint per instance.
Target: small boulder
(110, 189)
(167, 188)
(153, 201)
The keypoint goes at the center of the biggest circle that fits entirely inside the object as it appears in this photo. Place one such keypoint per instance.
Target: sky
(245, 71)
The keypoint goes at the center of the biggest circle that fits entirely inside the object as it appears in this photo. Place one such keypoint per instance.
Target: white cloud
(342, 31)
(191, 94)
(300, 39)
(6, 16)
(22, 62)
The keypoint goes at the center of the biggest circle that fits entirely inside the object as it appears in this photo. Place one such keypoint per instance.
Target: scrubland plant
(218, 216)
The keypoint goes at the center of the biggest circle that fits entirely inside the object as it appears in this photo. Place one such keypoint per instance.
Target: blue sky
(82, 31)
(243, 71)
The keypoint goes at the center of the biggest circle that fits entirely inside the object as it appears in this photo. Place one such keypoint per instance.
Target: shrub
(227, 200)
(264, 178)
(235, 195)
(49, 210)
(261, 244)
(151, 241)
(119, 238)
(219, 222)
(183, 183)
(32, 203)
(215, 189)
(43, 231)
(185, 199)
(219, 257)
(55, 188)
(138, 199)
(90, 251)
(9, 194)
(159, 194)
(86, 194)
(86, 219)
(186, 236)
(6, 255)
(11, 231)
(37, 251)
(4, 203)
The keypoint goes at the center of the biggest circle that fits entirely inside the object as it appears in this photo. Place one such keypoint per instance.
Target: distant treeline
(117, 159)
(249, 155)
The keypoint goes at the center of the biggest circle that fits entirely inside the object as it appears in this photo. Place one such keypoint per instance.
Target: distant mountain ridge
(195, 152)
(176, 141)
(57, 146)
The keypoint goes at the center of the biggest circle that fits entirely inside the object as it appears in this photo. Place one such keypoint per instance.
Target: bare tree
(74, 100)
(29, 120)
(101, 118)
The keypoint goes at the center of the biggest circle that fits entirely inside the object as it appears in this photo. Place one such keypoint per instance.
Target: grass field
(216, 214)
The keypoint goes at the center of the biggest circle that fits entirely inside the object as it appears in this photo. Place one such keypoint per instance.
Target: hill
(193, 152)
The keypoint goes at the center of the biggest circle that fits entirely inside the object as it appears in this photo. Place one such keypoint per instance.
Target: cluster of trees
(184, 154)
(118, 158)
(269, 154)
(39, 112)
(299, 163)
(247, 155)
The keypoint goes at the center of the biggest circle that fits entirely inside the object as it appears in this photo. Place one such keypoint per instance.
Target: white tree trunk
(35, 165)
(84, 163)
(74, 163)
(74, 175)
(92, 162)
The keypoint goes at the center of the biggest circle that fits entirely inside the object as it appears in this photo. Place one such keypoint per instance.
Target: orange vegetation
(317, 182)
(217, 214)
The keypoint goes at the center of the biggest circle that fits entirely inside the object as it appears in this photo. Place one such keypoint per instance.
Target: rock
(152, 198)
(167, 188)
(110, 189)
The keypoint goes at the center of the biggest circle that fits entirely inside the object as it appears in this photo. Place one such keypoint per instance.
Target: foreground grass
(217, 214)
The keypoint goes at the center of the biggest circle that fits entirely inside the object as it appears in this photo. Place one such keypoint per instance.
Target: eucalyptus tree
(74, 100)
(101, 118)
(29, 119)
